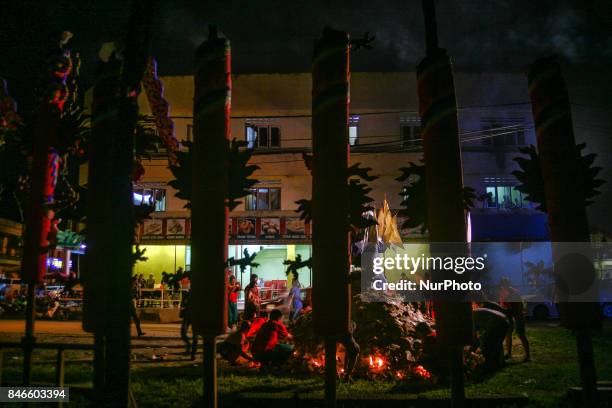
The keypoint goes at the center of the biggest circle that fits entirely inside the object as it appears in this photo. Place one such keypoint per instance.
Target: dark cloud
(277, 36)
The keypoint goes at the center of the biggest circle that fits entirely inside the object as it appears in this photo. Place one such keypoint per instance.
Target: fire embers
(315, 362)
(385, 332)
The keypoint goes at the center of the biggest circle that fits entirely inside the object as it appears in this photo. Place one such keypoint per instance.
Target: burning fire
(422, 372)
(377, 362)
(254, 364)
(317, 362)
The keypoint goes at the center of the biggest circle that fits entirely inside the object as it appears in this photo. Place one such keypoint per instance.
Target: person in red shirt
(233, 288)
(256, 324)
(236, 345)
(266, 347)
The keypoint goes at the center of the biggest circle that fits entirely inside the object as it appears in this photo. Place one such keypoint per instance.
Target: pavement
(10, 329)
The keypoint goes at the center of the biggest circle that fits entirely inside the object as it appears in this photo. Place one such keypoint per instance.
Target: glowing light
(377, 362)
(422, 372)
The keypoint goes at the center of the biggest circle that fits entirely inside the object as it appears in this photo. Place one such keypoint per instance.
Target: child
(235, 344)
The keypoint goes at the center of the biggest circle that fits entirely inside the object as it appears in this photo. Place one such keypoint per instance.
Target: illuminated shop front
(275, 240)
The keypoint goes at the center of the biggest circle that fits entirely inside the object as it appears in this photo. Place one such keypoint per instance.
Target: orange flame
(377, 362)
(422, 372)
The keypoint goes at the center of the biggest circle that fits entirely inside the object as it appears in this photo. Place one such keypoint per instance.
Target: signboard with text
(239, 229)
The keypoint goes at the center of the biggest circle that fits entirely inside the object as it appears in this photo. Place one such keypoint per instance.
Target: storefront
(275, 240)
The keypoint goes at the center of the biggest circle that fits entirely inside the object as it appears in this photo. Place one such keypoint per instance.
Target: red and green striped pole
(330, 208)
(567, 218)
(210, 190)
(444, 183)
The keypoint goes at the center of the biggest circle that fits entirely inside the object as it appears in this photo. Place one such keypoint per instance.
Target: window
(503, 131)
(353, 130)
(262, 135)
(505, 196)
(155, 197)
(263, 198)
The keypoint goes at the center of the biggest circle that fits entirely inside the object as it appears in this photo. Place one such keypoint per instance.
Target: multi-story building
(272, 113)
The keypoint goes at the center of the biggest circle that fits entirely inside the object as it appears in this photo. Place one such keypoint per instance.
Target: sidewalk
(45, 330)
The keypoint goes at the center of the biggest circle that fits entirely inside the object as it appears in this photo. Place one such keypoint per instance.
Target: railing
(160, 298)
(269, 294)
(60, 360)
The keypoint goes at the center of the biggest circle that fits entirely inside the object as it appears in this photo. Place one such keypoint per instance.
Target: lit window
(154, 197)
(353, 130)
(505, 196)
(263, 198)
(262, 135)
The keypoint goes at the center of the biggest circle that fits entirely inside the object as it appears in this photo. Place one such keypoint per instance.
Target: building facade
(271, 112)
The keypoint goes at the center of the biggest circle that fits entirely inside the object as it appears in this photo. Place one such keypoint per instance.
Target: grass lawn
(176, 384)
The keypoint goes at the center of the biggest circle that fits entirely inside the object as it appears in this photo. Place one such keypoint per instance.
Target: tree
(239, 172)
(414, 196)
(247, 260)
(359, 201)
(532, 181)
(293, 266)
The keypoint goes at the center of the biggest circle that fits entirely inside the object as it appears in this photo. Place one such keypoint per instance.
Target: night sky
(276, 35)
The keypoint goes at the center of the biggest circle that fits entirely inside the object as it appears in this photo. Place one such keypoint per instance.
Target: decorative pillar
(444, 184)
(210, 191)
(567, 218)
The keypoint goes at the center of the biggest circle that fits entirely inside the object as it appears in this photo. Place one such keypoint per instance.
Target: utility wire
(389, 112)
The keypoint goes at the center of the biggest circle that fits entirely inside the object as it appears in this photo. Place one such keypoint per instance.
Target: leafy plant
(239, 172)
(293, 266)
(359, 201)
(414, 195)
(239, 175)
(146, 139)
(532, 181)
(138, 255)
(246, 260)
(67, 238)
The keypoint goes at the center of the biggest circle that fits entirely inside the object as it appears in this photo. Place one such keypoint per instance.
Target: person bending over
(510, 300)
(266, 347)
(492, 327)
(236, 344)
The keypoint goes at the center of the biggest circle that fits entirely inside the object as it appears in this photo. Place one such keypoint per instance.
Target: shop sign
(270, 228)
(295, 228)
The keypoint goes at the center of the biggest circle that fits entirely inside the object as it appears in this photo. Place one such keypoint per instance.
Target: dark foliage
(138, 255)
(358, 196)
(414, 195)
(146, 140)
(239, 173)
(532, 181)
(293, 266)
(246, 260)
